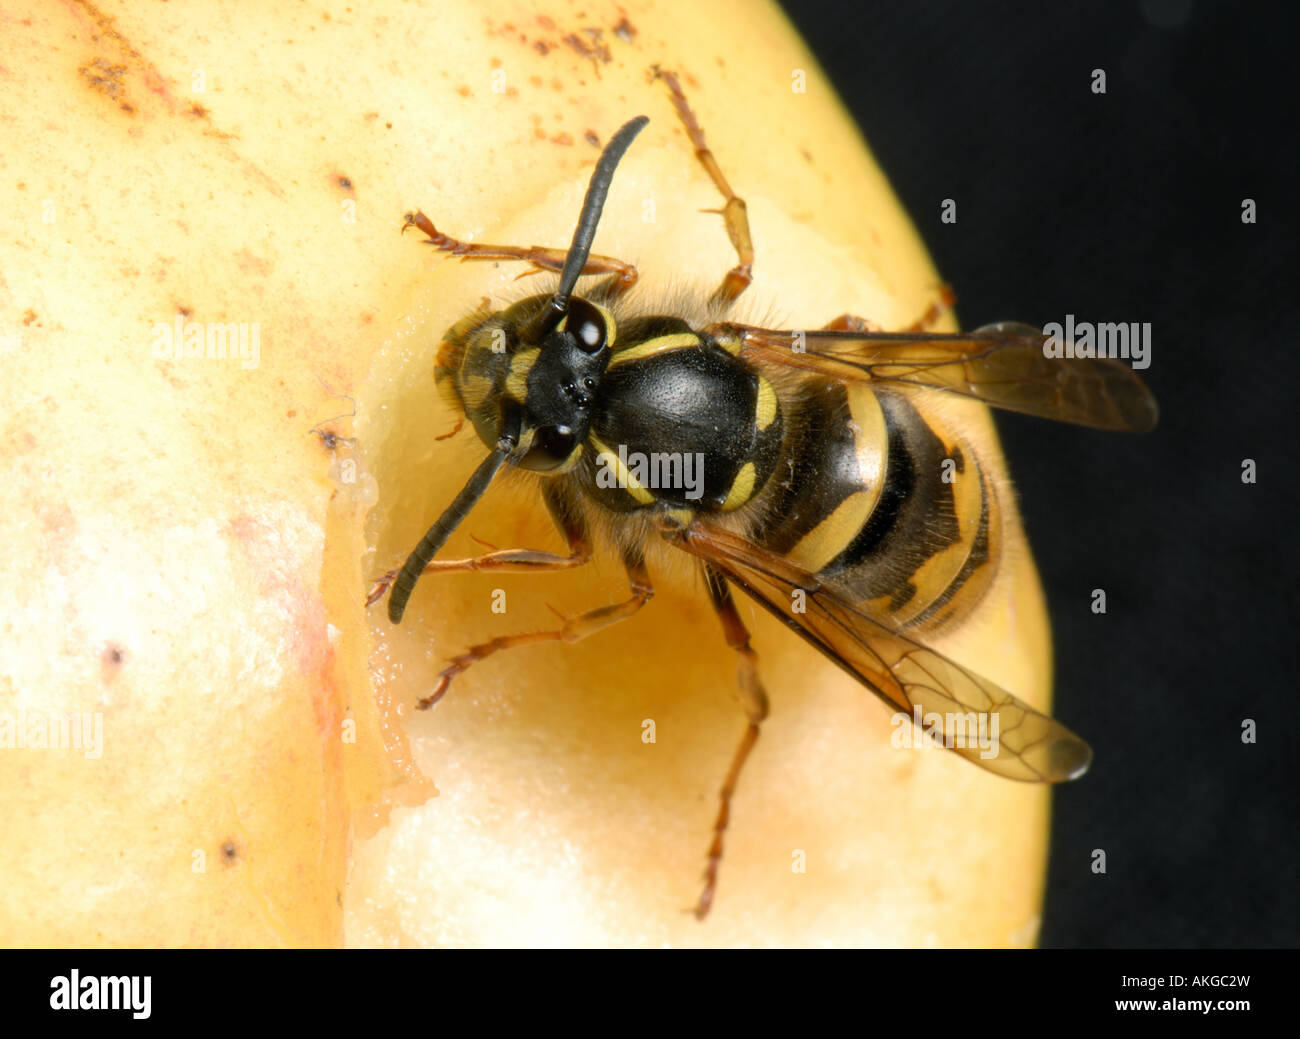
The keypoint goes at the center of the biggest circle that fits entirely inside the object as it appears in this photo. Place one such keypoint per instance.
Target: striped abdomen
(883, 503)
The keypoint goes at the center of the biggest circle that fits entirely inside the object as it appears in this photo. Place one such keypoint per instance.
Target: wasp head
(533, 392)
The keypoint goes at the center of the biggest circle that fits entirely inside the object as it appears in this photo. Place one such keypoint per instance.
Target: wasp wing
(1029, 746)
(1006, 365)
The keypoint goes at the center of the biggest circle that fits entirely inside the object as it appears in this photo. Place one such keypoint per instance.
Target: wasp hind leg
(574, 629)
(622, 275)
(753, 699)
(733, 211)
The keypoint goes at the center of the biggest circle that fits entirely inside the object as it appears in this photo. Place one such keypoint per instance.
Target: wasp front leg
(734, 211)
(574, 629)
(622, 275)
(753, 700)
(515, 560)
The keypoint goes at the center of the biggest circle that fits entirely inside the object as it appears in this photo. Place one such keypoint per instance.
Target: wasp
(802, 467)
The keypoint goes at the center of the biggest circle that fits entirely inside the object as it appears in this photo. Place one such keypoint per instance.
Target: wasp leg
(510, 560)
(753, 699)
(947, 299)
(853, 323)
(460, 424)
(516, 560)
(622, 275)
(574, 629)
(850, 323)
(733, 211)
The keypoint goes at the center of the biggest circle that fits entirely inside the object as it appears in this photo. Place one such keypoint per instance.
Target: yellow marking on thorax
(626, 480)
(742, 487)
(765, 406)
(681, 517)
(676, 341)
(730, 342)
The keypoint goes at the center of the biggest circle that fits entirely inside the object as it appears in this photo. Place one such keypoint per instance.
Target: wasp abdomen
(884, 503)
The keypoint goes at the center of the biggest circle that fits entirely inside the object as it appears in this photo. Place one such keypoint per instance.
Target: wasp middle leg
(753, 699)
(622, 275)
(734, 211)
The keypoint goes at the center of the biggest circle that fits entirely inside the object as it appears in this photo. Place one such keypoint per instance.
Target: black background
(1127, 207)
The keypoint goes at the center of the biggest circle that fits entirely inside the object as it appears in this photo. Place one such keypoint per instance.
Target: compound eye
(551, 447)
(587, 325)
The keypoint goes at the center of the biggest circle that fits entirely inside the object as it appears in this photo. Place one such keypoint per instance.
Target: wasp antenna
(441, 531)
(584, 234)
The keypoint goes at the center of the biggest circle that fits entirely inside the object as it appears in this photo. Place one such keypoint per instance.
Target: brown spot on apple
(106, 78)
(111, 661)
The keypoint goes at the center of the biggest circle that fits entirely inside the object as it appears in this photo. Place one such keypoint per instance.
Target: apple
(222, 427)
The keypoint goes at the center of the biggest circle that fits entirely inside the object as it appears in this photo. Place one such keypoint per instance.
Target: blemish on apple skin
(229, 853)
(597, 52)
(111, 661)
(625, 30)
(252, 264)
(106, 78)
(345, 182)
(58, 524)
(329, 439)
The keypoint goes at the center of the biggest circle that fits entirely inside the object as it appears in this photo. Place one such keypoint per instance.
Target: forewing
(1006, 366)
(1029, 746)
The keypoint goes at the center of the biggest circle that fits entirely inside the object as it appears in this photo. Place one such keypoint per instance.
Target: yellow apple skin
(187, 555)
